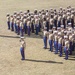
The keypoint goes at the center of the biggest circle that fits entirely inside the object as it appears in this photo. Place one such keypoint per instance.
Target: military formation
(57, 26)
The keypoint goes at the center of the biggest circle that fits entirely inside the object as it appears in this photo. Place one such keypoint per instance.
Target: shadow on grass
(9, 36)
(43, 61)
(71, 59)
(33, 35)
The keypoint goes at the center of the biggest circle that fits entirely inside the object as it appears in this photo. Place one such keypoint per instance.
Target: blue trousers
(25, 28)
(64, 23)
(47, 25)
(60, 49)
(66, 52)
(21, 32)
(72, 21)
(37, 29)
(73, 46)
(18, 30)
(32, 28)
(59, 24)
(22, 52)
(12, 26)
(8, 24)
(56, 47)
(51, 26)
(68, 21)
(55, 23)
(50, 44)
(15, 26)
(45, 41)
(70, 48)
(28, 29)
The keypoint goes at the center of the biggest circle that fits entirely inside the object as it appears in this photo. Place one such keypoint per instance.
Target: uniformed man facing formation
(22, 48)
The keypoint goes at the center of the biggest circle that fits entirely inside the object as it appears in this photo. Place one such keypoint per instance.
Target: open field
(38, 61)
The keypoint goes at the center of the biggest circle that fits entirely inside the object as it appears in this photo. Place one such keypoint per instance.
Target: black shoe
(44, 47)
(65, 58)
(60, 55)
(56, 53)
(23, 59)
(70, 53)
(51, 50)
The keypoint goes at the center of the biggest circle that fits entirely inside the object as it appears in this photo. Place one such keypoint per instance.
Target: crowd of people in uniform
(57, 27)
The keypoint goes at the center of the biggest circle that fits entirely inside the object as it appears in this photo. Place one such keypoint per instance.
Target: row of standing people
(27, 22)
(60, 40)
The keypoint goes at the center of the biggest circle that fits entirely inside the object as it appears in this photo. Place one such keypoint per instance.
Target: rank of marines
(57, 28)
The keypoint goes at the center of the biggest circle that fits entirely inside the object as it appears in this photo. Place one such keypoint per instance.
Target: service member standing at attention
(8, 20)
(47, 23)
(44, 24)
(72, 20)
(15, 19)
(40, 21)
(18, 26)
(12, 22)
(45, 37)
(23, 46)
(56, 42)
(64, 20)
(55, 20)
(28, 26)
(62, 31)
(25, 24)
(51, 22)
(32, 24)
(68, 18)
(37, 24)
(21, 28)
(60, 44)
(66, 47)
(59, 21)
(51, 40)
